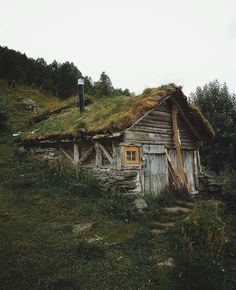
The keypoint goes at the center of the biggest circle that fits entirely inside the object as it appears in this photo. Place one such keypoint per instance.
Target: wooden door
(155, 169)
(189, 166)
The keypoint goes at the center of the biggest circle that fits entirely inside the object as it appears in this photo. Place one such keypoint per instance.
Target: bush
(200, 242)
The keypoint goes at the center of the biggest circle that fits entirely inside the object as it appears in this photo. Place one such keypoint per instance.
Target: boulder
(167, 263)
(29, 105)
(140, 204)
(78, 228)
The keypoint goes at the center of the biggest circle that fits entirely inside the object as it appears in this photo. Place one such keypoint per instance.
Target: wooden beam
(69, 157)
(195, 170)
(178, 147)
(113, 149)
(87, 154)
(107, 154)
(98, 158)
(176, 178)
(76, 153)
(186, 119)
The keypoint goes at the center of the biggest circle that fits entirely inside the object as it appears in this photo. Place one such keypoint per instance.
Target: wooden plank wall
(156, 128)
(188, 157)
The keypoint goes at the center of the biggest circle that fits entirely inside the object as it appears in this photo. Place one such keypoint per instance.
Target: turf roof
(110, 115)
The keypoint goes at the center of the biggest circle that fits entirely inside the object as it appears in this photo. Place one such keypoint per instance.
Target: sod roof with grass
(111, 115)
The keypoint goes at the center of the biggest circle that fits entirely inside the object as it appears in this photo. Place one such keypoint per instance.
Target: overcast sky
(138, 43)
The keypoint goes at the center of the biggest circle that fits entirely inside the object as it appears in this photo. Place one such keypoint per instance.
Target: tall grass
(200, 243)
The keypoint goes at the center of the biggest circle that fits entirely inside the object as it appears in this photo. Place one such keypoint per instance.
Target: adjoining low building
(138, 144)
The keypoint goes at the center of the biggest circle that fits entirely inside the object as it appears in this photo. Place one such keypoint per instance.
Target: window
(131, 155)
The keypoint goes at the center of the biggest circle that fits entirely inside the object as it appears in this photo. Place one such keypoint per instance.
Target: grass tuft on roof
(110, 115)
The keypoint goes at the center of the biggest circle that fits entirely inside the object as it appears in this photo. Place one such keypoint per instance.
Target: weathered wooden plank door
(188, 157)
(155, 169)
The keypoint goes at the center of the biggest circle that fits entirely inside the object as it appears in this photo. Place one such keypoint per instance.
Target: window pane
(133, 155)
(128, 155)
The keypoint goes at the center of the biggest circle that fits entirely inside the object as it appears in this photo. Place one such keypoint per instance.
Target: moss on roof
(109, 115)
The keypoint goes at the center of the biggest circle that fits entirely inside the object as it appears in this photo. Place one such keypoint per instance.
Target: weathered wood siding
(83, 149)
(156, 128)
(155, 169)
(189, 166)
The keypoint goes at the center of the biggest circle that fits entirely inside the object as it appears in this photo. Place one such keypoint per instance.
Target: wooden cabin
(141, 145)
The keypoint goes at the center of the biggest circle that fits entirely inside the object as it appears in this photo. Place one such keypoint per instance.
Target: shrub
(200, 244)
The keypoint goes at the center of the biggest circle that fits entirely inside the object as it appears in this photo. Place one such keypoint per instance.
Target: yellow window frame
(131, 155)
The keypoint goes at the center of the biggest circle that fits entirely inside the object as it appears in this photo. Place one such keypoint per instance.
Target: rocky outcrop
(29, 105)
(78, 228)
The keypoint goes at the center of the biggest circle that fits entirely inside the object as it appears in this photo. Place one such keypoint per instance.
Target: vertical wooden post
(199, 162)
(98, 158)
(196, 170)
(76, 153)
(113, 149)
(178, 147)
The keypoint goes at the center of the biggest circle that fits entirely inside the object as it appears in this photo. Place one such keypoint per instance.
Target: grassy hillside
(19, 118)
(39, 250)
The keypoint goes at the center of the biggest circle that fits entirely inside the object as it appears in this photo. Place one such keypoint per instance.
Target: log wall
(156, 128)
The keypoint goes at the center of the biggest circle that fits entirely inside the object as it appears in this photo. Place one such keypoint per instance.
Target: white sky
(139, 43)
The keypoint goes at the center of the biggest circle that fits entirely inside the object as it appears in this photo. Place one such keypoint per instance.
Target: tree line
(58, 79)
(218, 105)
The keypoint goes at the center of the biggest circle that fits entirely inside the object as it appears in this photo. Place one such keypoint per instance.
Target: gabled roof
(112, 115)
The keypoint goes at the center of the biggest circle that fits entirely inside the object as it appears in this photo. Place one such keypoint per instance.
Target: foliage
(88, 85)
(4, 113)
(68, 180)
(118, 206)
(103, 87)
(57, 79)
(39, 250)
(219, 106)
(68, 76)
(200, 242)
(227, 179)
(105, 115)
(168, 197)
(20, 118)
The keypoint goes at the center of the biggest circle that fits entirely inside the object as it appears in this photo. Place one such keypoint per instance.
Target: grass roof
(109, 115)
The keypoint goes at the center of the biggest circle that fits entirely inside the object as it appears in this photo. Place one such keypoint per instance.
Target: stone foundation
(125, 180)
